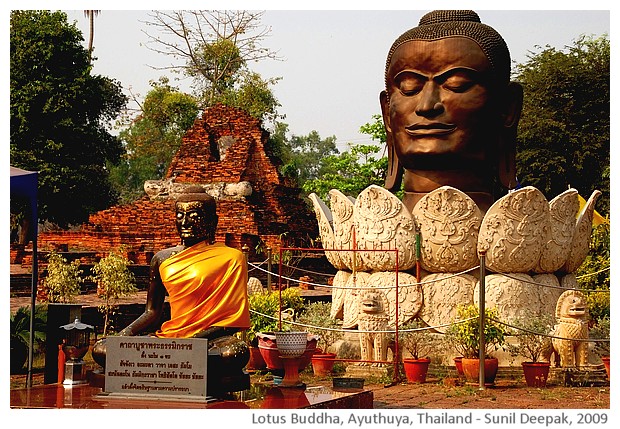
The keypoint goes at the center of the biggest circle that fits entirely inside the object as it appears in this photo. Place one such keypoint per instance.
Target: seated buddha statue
(206, 285)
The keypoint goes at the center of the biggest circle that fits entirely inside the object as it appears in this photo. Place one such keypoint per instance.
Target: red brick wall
(146, 226)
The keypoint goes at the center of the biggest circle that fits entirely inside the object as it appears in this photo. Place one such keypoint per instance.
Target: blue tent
(25, 183)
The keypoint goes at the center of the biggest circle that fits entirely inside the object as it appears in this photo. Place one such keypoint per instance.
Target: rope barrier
(428, 282)
(594, 340)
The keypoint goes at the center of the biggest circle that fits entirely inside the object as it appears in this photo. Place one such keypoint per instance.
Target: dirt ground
(451, 393)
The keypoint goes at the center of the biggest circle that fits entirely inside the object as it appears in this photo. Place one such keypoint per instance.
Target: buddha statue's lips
(433, 128)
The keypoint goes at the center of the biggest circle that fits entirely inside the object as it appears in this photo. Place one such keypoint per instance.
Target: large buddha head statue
(449, 109)
(196, 217)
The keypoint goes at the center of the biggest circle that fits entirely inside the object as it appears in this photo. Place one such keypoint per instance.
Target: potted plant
(600, 333)
(20, 334)
(416, 339)
(464, 335)
(317, 319)
(264, 321)
(114, 281)
(532, 342)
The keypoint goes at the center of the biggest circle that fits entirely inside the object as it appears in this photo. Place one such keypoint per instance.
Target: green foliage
(317, 315)
(59, 115)
(464, 337)
(268, 304)
(416, 339)
(350, 172)
(306, 156)
(114, 281)
(253, 94)
(152, 138)
(594, 274)
(564, 133)
(601, 331)
(529, 329)
(63, 280)
(375, 129)
(20, 325)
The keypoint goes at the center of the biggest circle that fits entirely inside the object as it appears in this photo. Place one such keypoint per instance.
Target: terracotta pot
(605, 360)
(271, 354)
(416, 369)
(471, 370)
(322, 364)
(536, 373)
(256, 361)
(458, 363)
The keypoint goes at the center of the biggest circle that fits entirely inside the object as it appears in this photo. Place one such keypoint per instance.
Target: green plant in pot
(600, 332)
(532, 340)
(20, 334)
(415, 338)
(463, 335)
(316, 318)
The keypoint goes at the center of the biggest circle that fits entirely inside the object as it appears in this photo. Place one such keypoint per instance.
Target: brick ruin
(226, 152)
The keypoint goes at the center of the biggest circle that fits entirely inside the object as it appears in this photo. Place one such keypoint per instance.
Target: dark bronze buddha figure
(206, 284)
(449, 109)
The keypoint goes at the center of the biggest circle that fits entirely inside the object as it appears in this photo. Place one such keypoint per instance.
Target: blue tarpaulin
(25, 184)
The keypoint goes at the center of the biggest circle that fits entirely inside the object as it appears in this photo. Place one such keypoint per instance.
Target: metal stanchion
(481, 311)
(269, 268)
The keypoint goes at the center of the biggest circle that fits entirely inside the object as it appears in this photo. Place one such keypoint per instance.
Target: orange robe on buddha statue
(207, 286)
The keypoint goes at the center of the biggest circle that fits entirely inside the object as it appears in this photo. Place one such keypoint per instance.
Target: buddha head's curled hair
(440, 24)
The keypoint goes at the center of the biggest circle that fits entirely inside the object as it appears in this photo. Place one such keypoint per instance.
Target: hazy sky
(332, 61)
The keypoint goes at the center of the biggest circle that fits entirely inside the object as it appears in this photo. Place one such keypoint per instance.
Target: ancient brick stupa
(225, 152)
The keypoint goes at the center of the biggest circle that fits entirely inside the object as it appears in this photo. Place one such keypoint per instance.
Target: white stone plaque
(173, 368)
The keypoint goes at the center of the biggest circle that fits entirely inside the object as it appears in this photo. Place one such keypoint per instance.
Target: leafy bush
(464, 337)
(416, 340)
(63, 280)
(317, 316)
(20, 333)
(600, 331)
(114, 281)
(531, 343)
(268, 305)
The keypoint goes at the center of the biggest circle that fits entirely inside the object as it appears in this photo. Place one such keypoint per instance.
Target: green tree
(152, 138)
(214, 49)
(350, 172)
(306, 154)
(59, 116)
(563, 137)
(63, 281)
(114, 281)
(594, 274)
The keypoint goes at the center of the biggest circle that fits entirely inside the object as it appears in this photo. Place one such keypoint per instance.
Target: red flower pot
(605, 360)
(322, 364)
(256, 361)
(416, 369)
(471, 370)
(271, 354)
(536, 373)
(458, 363)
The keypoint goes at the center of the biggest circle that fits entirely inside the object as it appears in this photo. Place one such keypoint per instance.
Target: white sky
(333, 61)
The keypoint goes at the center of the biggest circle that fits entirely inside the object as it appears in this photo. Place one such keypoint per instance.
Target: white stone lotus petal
(325, 221)
(581, 240)
(355, 283)
(549, 291)
(409, 294)
(344, 229)
(382, 222)
(449, 222)
(514, 231)
(443, 292)
(514, 295)
(563, 210)
(338, 294)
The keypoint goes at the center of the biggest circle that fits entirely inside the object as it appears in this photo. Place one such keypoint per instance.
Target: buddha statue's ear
(394, 174)
(507, 169)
